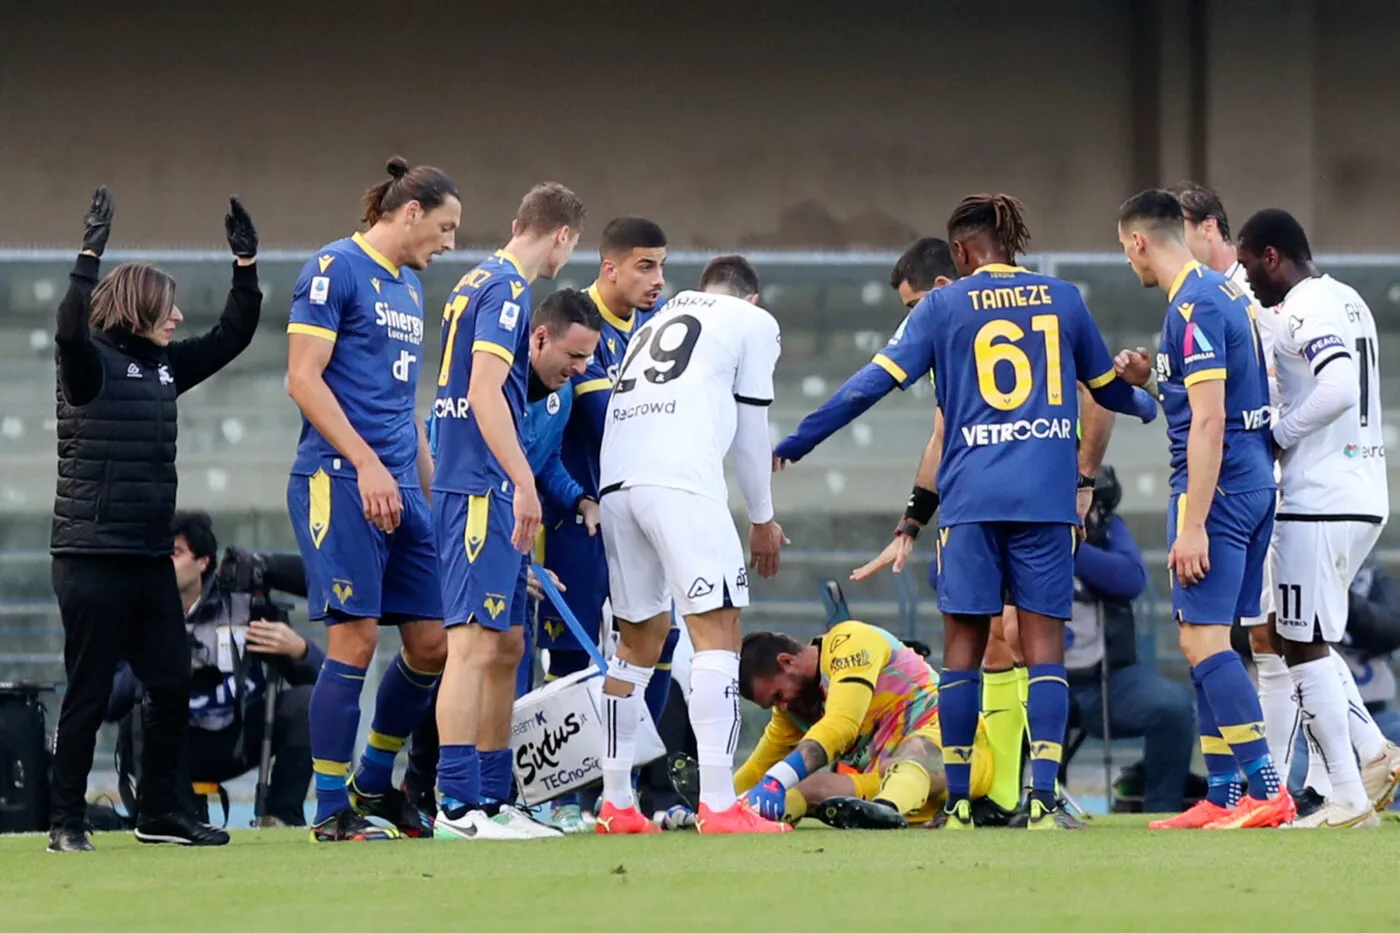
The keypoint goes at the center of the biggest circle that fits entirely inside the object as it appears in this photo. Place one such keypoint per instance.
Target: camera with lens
(243, 571)
(1107, 496)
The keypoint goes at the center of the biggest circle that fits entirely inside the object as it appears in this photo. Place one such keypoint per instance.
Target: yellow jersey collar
(624, 325)
(375, 254)
(1186, 270)
(502, 254)
(998, 267)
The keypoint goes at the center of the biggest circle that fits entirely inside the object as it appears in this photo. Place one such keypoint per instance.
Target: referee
(119, 375)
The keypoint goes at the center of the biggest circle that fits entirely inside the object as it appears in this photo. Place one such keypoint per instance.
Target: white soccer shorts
(664, 544)
(1314, 563)
(1266, 597)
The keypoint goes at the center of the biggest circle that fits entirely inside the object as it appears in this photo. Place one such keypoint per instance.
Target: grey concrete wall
(778, 124)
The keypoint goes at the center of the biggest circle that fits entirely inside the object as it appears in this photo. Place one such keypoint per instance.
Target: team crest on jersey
(551, 404)
(343, 590)
(494, 605)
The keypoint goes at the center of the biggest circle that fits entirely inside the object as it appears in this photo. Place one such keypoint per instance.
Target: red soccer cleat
(1195, 818)
(613, 821)
(1253, 813)
(739, 818)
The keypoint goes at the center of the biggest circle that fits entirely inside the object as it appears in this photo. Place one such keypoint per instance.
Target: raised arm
(79, 365)
(196, 359)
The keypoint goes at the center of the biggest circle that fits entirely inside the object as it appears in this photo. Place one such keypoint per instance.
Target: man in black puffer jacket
(119, 375)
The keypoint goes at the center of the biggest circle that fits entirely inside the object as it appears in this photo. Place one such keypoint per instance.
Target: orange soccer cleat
(1253, 813)
(1195, 818)
(739, 818)
(613, 821)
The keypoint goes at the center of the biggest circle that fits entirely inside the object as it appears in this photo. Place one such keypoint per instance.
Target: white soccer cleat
(520, 821)
(1335, 816)
(1380, 776)
(475, 824)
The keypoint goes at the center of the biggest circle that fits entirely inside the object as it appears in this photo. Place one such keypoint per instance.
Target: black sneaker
(345, 825)
(1021, 817)
(394, 808)
(684, 772)
(181, 829)
(1308, 802)
(854, 813)
(989, 815)
(69, 840)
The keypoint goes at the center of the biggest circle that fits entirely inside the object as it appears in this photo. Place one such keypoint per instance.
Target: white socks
(1324, 709)
(714, 715)
(1280, 704)
(1366, 736)
(621, 716)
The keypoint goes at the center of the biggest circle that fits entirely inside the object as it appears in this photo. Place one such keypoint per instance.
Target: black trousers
(116, 608)
(217, 756)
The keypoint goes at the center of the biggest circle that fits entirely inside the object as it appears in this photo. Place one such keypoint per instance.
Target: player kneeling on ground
(857, 696)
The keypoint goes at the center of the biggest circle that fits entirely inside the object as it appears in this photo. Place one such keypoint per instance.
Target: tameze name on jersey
(982, 435)
(401, 326)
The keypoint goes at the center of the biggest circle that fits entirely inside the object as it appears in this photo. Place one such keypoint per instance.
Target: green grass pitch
(1117, 876)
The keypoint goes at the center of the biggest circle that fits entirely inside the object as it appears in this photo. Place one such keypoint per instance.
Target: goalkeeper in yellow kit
(857, 698)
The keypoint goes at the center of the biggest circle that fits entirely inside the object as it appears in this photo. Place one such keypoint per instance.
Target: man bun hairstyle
(427, 185)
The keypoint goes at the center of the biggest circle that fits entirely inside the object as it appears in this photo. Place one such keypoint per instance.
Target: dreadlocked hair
(1000, 216)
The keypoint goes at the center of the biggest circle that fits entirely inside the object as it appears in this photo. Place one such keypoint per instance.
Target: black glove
(97, 223)
(242, 237)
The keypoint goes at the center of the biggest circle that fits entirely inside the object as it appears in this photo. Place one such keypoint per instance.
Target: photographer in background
(234, 629)
(1108, 576)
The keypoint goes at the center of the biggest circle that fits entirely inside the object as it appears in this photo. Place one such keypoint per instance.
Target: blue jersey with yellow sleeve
(488, 311)
(1211, 333)
(372, 311)
(583, 435)
(1007, 347)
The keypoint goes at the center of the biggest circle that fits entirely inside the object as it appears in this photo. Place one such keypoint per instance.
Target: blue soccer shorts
(581, 564)
(1239, 526)
(354, 570)
(984, 566)
(483, 575)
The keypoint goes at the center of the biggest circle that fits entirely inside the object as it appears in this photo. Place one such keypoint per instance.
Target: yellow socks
(1004, 715)
(905, 785)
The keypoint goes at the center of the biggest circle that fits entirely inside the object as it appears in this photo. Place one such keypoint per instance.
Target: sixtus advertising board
(557, 736)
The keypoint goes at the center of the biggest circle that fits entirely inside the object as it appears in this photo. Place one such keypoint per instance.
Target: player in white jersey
(1208, 238)
(1333, 496)
(695, 384)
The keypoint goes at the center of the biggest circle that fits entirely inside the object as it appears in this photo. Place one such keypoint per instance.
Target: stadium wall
(779, 124)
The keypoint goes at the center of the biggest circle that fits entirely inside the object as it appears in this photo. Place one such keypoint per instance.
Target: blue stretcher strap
(552, 593)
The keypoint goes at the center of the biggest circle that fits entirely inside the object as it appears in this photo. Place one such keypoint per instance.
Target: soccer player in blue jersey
(927, 265)
(564, 333)
(487, 512)
(1007, 347)
(626, 292)
(357, 496)
(1210, 374)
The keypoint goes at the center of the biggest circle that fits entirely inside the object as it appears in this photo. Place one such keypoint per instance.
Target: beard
(811, 703)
